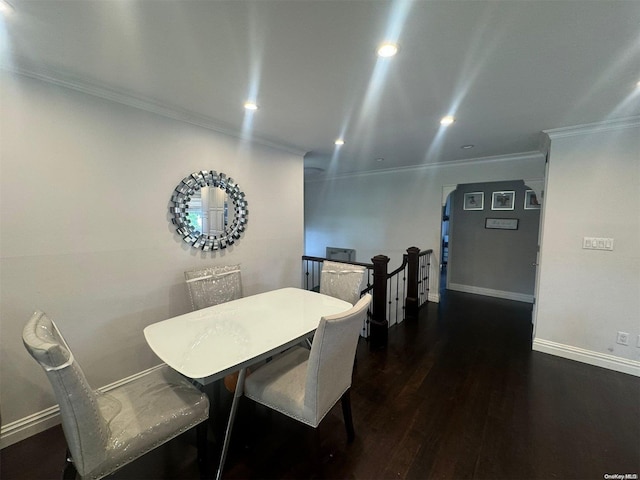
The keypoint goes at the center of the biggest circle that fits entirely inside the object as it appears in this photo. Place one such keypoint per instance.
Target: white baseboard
(26, 427)
(519, 297)
(611, 362)
(433, 297)
(40, 421)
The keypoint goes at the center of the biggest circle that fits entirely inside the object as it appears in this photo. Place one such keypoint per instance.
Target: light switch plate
(597, 243)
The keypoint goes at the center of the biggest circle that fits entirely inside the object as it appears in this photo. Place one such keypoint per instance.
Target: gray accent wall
(492, 261)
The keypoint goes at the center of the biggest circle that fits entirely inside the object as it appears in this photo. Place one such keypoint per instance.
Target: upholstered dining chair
(213, 285)
(305, 384)
(105, 431)
(342, 280)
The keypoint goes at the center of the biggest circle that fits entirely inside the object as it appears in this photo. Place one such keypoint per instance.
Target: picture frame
(531, 201)
(503, 200)
(501, 223)
(473, 201)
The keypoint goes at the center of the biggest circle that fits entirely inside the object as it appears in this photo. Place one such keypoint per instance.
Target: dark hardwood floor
(457, 394)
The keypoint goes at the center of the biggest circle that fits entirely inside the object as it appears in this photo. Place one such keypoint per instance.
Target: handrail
(322, 259)
(405, 260)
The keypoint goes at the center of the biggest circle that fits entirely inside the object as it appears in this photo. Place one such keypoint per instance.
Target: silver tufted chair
(213, 285)
(342, 280)
(304, 384)
(105, 431)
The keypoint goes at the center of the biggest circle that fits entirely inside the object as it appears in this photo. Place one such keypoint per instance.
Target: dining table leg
(232, 415)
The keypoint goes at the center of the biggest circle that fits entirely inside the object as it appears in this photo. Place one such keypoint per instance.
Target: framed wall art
(474, 201)
(504, 200)
(531, 201)
(501, 223)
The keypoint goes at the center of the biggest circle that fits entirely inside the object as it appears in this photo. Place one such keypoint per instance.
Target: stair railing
(397, 296)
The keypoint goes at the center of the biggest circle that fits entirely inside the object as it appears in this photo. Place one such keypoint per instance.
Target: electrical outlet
(623, 338)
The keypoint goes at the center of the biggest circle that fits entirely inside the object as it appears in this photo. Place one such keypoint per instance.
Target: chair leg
(314, 450)
(346, 412)
(202, 445)
(69, 472)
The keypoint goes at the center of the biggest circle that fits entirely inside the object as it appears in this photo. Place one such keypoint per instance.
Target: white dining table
(205, 345)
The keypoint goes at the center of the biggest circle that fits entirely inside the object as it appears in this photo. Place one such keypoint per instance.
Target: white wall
(585, 296)
(387, 212)
(85, 233)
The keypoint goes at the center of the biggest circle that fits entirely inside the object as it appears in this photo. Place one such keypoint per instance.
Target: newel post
(379, 325)
(412, 302)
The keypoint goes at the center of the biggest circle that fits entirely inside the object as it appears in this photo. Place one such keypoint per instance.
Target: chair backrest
(342, 280)
(213, 285)
(333, 351)
(85, 428)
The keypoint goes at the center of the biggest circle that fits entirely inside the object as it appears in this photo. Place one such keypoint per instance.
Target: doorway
(444, 244)
(489, 238)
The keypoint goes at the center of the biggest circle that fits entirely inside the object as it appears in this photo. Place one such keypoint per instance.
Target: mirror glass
(209, 210)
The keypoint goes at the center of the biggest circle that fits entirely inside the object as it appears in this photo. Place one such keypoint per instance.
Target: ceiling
(505, 69)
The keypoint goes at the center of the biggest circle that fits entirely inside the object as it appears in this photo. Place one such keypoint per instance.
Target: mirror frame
(179, 210)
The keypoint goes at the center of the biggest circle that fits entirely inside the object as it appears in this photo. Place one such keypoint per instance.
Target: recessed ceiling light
(448, 120)
(339, 142)
(387, 50)
(467, 147)
(6, 8)
(250, 106)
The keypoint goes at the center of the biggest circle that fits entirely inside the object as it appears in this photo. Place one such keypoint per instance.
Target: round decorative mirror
(208, 210)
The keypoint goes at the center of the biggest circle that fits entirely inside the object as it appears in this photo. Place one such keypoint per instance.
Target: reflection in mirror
(209, 210)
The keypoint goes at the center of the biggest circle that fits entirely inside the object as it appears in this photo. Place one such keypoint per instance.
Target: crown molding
(588, 128)
(135, 101)
(545, 143)
(430, 166)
